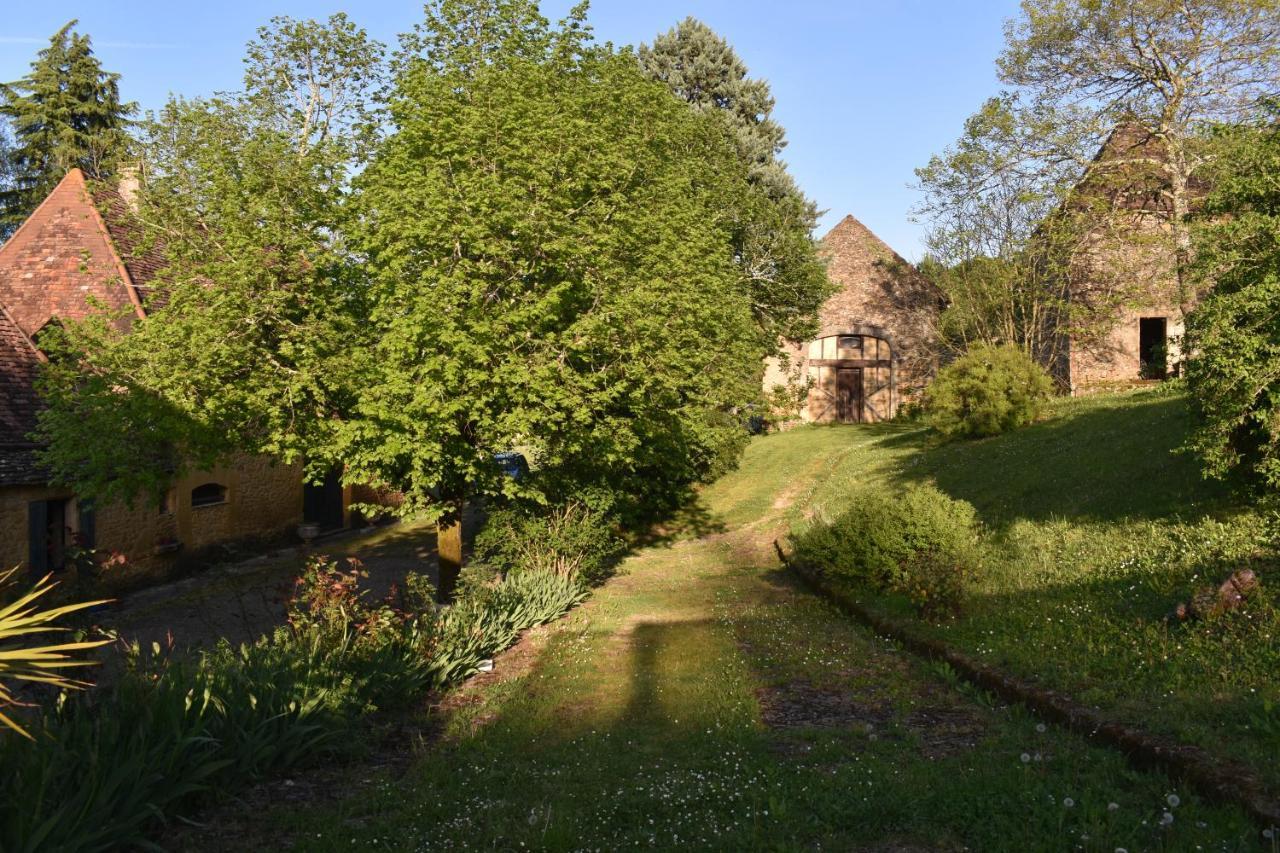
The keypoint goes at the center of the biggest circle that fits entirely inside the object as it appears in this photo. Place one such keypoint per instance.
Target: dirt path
(704, 700)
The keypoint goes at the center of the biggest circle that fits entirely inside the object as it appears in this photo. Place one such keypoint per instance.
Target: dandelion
(1111, 807)
(1166, 819)
(1068, 802)
(1026, 759)
(1173, 801)
(1041, 728)
(1268, 833)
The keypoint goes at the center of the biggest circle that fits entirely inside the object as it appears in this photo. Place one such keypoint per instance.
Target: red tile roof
(19, 362)
(62, 257)
(77, 248)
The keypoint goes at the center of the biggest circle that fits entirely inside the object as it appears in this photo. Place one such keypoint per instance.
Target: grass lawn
(1097, 530)
(701, 700)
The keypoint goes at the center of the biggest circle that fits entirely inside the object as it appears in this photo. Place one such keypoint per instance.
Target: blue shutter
(38, 537)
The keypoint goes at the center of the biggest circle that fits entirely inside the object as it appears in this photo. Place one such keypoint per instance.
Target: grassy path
(701, 700)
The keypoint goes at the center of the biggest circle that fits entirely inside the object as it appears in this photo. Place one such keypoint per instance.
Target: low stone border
(1216, 780)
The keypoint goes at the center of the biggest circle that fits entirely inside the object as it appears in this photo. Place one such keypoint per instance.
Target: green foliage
(23, 660)
(1004, 243)
(245, 190)
(773, 240)
(558, 275)
(919, 542)
(572, 540)
(987, 391)
(103, 770)
(545, 252)
(1232, 339)
(66, 113)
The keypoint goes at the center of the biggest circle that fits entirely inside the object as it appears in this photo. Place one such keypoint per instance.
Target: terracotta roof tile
(61, 259)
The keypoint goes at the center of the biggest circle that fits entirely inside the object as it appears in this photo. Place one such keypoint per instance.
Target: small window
(849, 342)
(208, 495)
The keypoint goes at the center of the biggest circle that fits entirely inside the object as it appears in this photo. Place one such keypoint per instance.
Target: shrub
(105, 766)
(920, 542)
(572, 539)
(987, 391)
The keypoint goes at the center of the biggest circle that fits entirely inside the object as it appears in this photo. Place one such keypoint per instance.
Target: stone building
(73, 251)
(1124, 271)
(871, 351)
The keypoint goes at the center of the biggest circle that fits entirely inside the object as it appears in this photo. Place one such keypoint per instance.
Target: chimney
(128, 186)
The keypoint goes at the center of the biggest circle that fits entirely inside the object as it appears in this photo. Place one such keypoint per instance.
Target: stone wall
(262, 500)
(1130, 272)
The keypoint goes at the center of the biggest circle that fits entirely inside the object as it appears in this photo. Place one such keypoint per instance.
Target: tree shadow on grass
(1109, 463)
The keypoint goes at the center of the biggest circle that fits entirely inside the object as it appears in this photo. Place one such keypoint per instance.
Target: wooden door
(849, 395)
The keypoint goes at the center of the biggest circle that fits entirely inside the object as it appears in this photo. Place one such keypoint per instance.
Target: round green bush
(919, 542)
(987, 391)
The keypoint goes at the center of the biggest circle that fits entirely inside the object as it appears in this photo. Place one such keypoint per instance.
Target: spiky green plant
(21, 661)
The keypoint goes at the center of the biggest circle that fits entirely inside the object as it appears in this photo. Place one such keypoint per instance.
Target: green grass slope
(1097, 529)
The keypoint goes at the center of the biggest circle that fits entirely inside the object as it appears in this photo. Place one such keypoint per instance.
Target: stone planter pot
(308, 530)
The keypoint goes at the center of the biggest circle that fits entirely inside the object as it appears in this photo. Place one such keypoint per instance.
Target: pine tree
(66, 113)
(774, 244)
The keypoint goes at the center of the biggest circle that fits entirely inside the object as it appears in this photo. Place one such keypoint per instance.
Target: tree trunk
(449, 553)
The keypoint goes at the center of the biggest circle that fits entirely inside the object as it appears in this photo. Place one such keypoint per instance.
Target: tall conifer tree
(66, 113)
(774, 243)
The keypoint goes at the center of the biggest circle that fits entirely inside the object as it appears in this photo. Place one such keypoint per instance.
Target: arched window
(208, 494)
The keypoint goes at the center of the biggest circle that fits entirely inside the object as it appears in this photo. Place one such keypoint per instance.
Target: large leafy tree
(1233, 335)
(774, 235)
(66, 113)
(1171, 67)
(256, 305)
(550, 242)
(540, 255)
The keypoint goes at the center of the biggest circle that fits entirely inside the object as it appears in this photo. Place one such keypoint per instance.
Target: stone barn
(871, 351)
(1124, 272)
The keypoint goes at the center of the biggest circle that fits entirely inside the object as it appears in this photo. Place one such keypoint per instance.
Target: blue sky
(866, 90)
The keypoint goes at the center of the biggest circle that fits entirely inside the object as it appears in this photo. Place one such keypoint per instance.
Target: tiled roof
(79, 246)
(142, 262)
(61, 259)
(19, 362)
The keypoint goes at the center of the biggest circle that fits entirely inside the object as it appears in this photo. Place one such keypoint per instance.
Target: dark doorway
(47, 536)
(1153, 338)
(322, 502)
(849, 394)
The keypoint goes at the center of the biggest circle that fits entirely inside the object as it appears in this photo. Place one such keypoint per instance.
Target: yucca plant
(20, 660)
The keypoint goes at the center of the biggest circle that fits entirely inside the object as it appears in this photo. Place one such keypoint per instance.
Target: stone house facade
(72, 252)
(871, 352)
(1126, 268)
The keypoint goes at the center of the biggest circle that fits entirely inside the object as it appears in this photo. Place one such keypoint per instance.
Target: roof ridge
(13, 238)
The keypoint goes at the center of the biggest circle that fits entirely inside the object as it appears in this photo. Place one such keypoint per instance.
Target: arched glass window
(208, 494)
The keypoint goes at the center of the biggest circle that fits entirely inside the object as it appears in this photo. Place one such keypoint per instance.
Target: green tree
(1171, 67)
(1233, 337)
(258, 302)
(550, 241)
(774, 238)
(66, 113)
(987, 199)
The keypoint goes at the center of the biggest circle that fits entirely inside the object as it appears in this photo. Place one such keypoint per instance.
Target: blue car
(513, 464)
